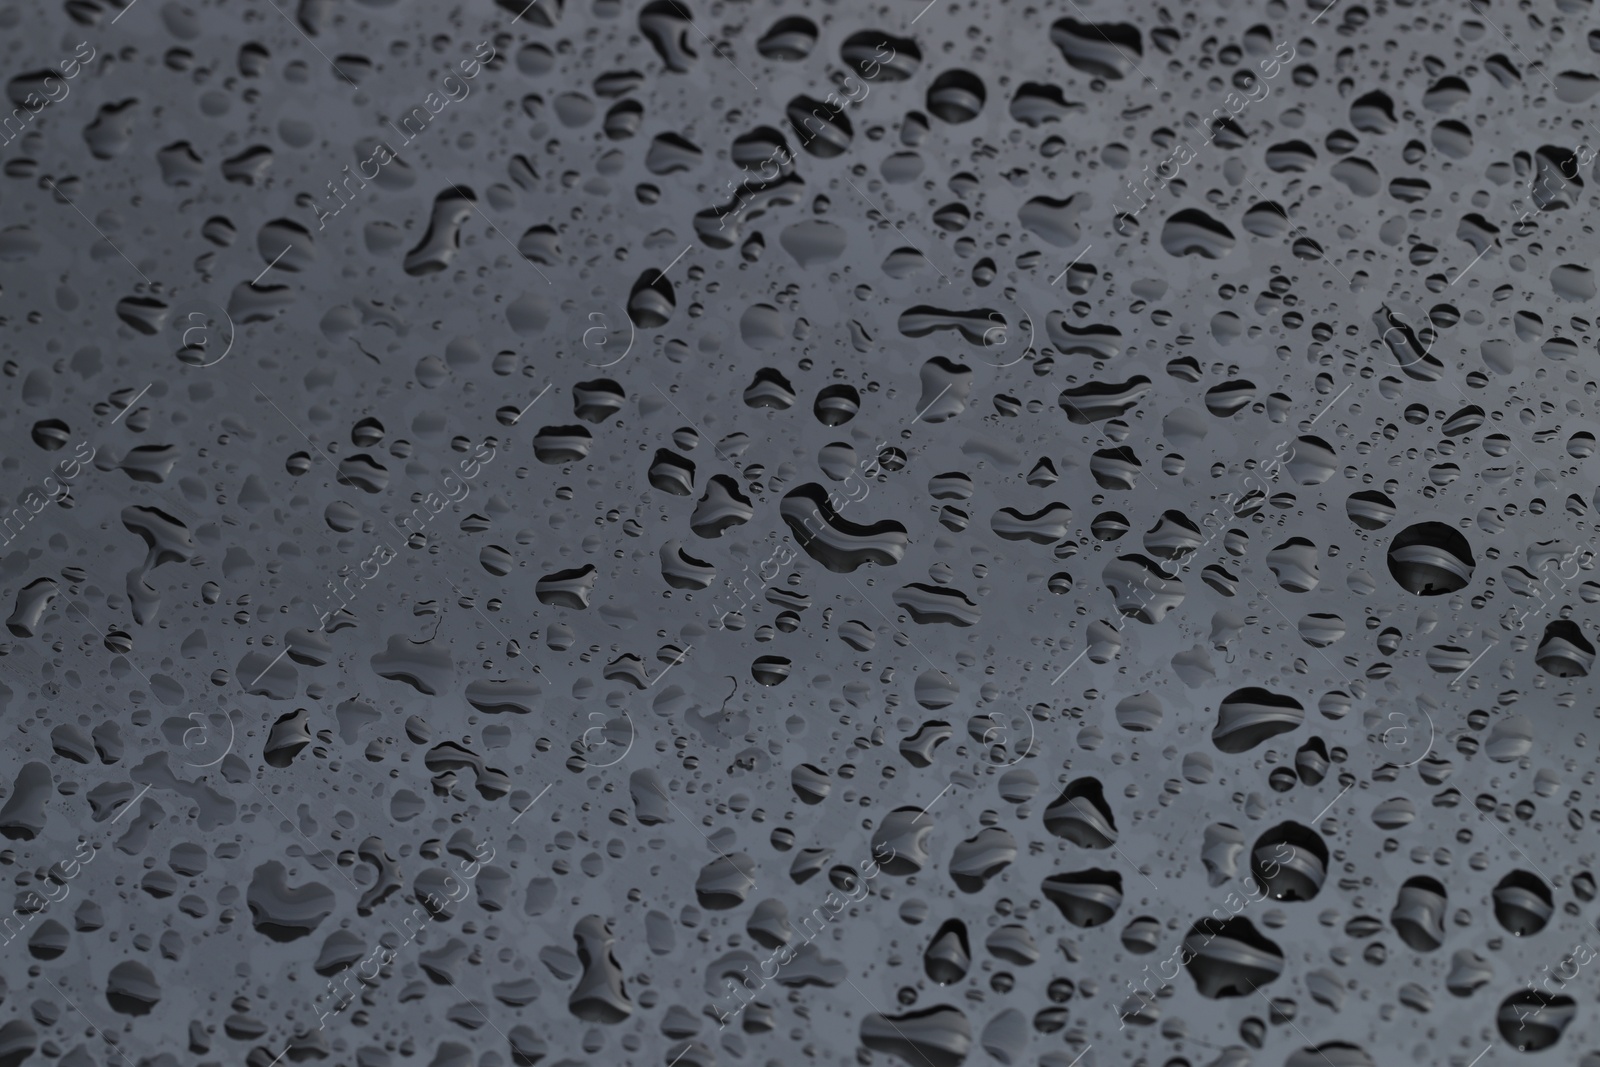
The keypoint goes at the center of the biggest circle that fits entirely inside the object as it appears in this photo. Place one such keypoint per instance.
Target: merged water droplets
(1081, 815)
(941, 1036)
(1430, 559)
(1248, 717)
(1230, 958)
(1085, 898)
(804, 651)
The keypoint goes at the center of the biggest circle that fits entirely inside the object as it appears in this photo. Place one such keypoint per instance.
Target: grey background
(1089, 596)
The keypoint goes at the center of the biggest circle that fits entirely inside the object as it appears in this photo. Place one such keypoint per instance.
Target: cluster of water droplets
(698, 534)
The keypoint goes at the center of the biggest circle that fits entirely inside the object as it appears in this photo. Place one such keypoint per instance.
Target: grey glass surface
(680, 534)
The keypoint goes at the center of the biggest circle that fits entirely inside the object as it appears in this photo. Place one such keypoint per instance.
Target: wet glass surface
(692, 534)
